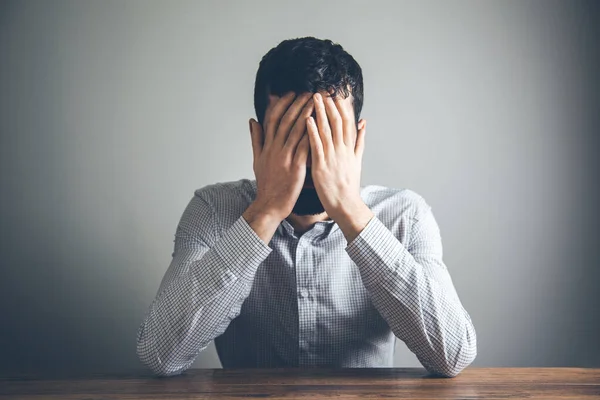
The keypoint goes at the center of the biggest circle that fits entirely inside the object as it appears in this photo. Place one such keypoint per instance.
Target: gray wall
(113, 112)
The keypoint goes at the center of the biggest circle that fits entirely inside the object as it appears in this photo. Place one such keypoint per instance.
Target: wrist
(263, 222)
(352, 218)
(347, 208)
(259, 212)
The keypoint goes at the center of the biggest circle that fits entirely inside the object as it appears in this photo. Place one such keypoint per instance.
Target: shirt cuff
(242, 250)
(376, 251)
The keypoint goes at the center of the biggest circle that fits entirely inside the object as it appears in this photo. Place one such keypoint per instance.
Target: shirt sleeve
(412, 290)
(203, 289)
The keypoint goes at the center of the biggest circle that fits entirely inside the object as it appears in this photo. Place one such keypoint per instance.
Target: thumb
(360, 139)
(256, 135)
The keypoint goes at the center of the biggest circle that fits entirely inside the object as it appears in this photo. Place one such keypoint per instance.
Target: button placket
(306, 307)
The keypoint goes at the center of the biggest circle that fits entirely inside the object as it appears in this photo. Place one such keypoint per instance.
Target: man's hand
(280, 155)
(336, 151)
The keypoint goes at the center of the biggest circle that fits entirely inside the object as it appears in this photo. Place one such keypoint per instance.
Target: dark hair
(307, 65)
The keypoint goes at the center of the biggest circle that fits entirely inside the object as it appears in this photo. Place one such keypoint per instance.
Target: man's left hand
(336, 152)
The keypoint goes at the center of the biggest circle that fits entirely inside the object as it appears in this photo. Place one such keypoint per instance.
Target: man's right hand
(280, 155)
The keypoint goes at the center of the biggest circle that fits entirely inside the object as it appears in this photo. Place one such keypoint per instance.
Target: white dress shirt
(310, 299)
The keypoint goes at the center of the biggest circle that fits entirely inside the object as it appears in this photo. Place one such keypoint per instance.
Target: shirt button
(303, 292)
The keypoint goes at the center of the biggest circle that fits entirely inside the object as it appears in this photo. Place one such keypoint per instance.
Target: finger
(273, 116)
(360, 139)
(362, 123)
(322, 124)
(335, 122)
(302, 152)
(290, 117)
(256, 135)
(300, 125)
(316, 145)
(347, 120)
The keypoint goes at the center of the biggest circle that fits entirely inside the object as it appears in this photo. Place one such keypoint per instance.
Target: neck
(302, 223)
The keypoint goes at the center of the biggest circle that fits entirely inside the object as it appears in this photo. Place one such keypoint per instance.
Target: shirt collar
(321, 228)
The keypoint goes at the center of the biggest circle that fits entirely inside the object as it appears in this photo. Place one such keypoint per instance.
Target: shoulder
(397, 209)
(228, 194)
(393, 203)
(220, 203)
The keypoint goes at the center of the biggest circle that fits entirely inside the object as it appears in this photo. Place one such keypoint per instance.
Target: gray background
(113, 112)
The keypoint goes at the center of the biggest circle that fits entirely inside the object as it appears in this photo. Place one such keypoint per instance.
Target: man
(304, 267)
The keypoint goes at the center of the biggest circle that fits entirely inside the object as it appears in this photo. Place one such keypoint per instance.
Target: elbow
(450, 370)
(465, 358)
(447, 371)
(450, 367)
(165, 370)
(465, 355)
(161, 366)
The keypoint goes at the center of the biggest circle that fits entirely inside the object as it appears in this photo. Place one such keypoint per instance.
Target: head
(307, 65)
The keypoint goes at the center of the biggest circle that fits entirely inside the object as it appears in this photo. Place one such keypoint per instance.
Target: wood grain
(294, 383)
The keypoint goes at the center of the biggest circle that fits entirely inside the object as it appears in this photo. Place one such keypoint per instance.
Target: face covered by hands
(306, 165)
(331, 180)
(336, 155)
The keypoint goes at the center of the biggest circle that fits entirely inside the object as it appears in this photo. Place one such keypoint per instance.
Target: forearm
(197, 306)
(417, 300)
(432, 323)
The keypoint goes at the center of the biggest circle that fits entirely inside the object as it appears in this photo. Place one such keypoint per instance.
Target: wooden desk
(392, 383)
